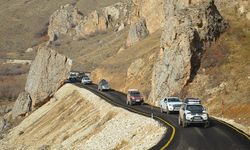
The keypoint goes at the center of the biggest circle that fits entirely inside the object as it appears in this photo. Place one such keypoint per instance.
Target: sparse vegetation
(12, 80)
(226, 64)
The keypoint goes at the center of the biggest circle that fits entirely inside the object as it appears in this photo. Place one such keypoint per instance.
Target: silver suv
(192, 112)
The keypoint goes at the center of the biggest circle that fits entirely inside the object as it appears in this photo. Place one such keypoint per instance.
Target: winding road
(219, 136)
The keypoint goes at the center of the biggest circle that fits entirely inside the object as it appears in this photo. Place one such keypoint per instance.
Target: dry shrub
(11, 86)
(216, 55)
(13, 69)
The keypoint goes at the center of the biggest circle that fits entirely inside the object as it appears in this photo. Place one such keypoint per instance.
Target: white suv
(170, 104)
(193, 113)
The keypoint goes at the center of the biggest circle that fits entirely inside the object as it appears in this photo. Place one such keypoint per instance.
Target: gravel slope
(77, 119)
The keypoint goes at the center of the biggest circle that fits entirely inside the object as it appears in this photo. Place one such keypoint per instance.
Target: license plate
(138, 100)
(197, 119)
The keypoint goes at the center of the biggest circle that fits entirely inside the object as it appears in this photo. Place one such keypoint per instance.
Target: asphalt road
(219, 136)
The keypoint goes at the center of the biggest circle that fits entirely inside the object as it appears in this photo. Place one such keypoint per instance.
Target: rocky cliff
(47, 74)
(188, 29)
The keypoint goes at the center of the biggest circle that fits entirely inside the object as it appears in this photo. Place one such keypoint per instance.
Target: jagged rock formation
(152, 11)
(69, 21)
(188, 28)
(47, 74)
(138, 31)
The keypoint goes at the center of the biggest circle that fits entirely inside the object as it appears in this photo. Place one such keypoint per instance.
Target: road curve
(219, 136)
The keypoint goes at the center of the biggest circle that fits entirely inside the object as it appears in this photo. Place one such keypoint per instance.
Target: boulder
(137, 32)
(186, 32)
(47, 74)
(22, 105)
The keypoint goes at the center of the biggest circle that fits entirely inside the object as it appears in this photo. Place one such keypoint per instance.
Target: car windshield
(195, 108)
(173, 100)
(135, 93)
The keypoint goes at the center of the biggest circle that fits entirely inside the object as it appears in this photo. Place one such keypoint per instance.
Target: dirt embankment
(77, 119)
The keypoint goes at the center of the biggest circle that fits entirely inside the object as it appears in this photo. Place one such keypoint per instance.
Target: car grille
(177, 105)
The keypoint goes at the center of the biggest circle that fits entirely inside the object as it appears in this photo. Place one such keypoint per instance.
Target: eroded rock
(137, 32)
(47, 74)
(186, 32)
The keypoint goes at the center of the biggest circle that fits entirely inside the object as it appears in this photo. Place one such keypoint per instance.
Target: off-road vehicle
(170, 104)
(192, 112)
(134, 97)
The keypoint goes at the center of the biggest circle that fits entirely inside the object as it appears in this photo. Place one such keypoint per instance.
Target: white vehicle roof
(171, 97)
(133, 90)
(193, 101)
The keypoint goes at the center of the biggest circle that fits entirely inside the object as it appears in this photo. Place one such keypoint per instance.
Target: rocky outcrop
(137, 32)
(187, 30)
(69, 21)
(63, 21)
(47, 74)
(22, 105)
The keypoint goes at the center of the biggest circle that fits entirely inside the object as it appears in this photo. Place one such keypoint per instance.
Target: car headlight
(189, 116)
(204, 116)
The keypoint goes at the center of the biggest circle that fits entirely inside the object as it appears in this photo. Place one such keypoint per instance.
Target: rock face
(69, 21)
(22, 105)
(63, 21)
(188, 28)
(137, 31)
(47, 74)
(135, 68)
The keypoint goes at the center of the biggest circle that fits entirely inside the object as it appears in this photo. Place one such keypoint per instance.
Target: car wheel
(179, 121)
(206, 124)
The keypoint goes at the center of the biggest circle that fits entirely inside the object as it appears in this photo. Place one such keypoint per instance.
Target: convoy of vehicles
(190, 110)
(170, 104)
(134, 97)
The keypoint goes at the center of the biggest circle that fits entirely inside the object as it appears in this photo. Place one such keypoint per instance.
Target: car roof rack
(192, 101)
